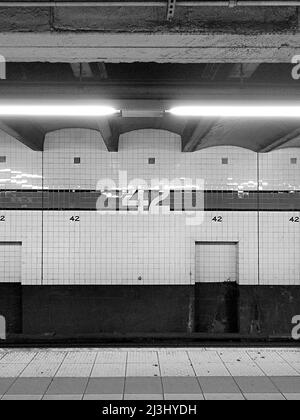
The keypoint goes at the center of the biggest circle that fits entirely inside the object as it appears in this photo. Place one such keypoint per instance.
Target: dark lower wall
(215, 308)
(105, 309)
(268, 309)
(11, 306)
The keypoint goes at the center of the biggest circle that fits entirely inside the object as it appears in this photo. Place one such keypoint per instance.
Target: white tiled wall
(23, 167)
(279, 248)
(144, 249)
(216, 262)
(25, 227)
(10, 262)
(276, 171)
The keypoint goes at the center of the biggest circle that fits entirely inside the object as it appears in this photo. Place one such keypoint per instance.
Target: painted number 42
(295, 219)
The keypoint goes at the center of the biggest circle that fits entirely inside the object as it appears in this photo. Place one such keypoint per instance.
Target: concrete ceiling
(91, 39)
(129, 34)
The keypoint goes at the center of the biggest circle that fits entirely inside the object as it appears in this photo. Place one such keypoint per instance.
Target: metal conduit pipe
(225, 3)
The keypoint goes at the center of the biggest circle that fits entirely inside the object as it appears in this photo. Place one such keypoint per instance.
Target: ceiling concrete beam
(281, 141)
(243, 70)
(194, 132)
(110, 133)
(163, 48)
(156, 96)
(25, 132)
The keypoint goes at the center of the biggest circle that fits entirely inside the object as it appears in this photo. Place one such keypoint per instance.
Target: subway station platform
(144, 374)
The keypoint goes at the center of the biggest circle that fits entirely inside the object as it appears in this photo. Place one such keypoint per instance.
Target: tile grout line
(125, 376)
(267, 376)
(53, 377)
(161, 377)
(18, 376)
(88, 381)
(233, 378)
(188, 355)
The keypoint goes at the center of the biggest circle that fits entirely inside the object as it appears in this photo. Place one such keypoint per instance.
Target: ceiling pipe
(226, 3)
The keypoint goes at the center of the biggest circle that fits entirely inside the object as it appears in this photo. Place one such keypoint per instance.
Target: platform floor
(158, 374)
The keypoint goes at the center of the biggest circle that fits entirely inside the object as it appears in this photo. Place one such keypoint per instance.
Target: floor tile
(181, 385)
(219, 384)
(105, 386)
(292, 397)
(176, 369)
(143, 385)
(79, 357)
(11, 370)
(148, 357)
(5, 384)
(22, 357)
(143, 397)
(111, 357)
(142, 369)
(210, 369)
(171, 356)
(256, 385)
(22, 397)
(277, 369)
(100, 397)
(226, 397)
(70, 370)
(244, 369)
(287, 385)
(29, 386)
(179, 397)
(49, 356)
(64, 397)
(40, 370)
(67, 386)
(107, 370)
(264, 397)
(234, 356)
(204, 357)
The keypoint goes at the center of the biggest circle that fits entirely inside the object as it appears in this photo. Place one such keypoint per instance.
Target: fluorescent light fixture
(41, 110)
(240, 111)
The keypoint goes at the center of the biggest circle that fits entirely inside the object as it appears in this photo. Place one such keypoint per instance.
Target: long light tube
(240, 111)
(28, 110)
